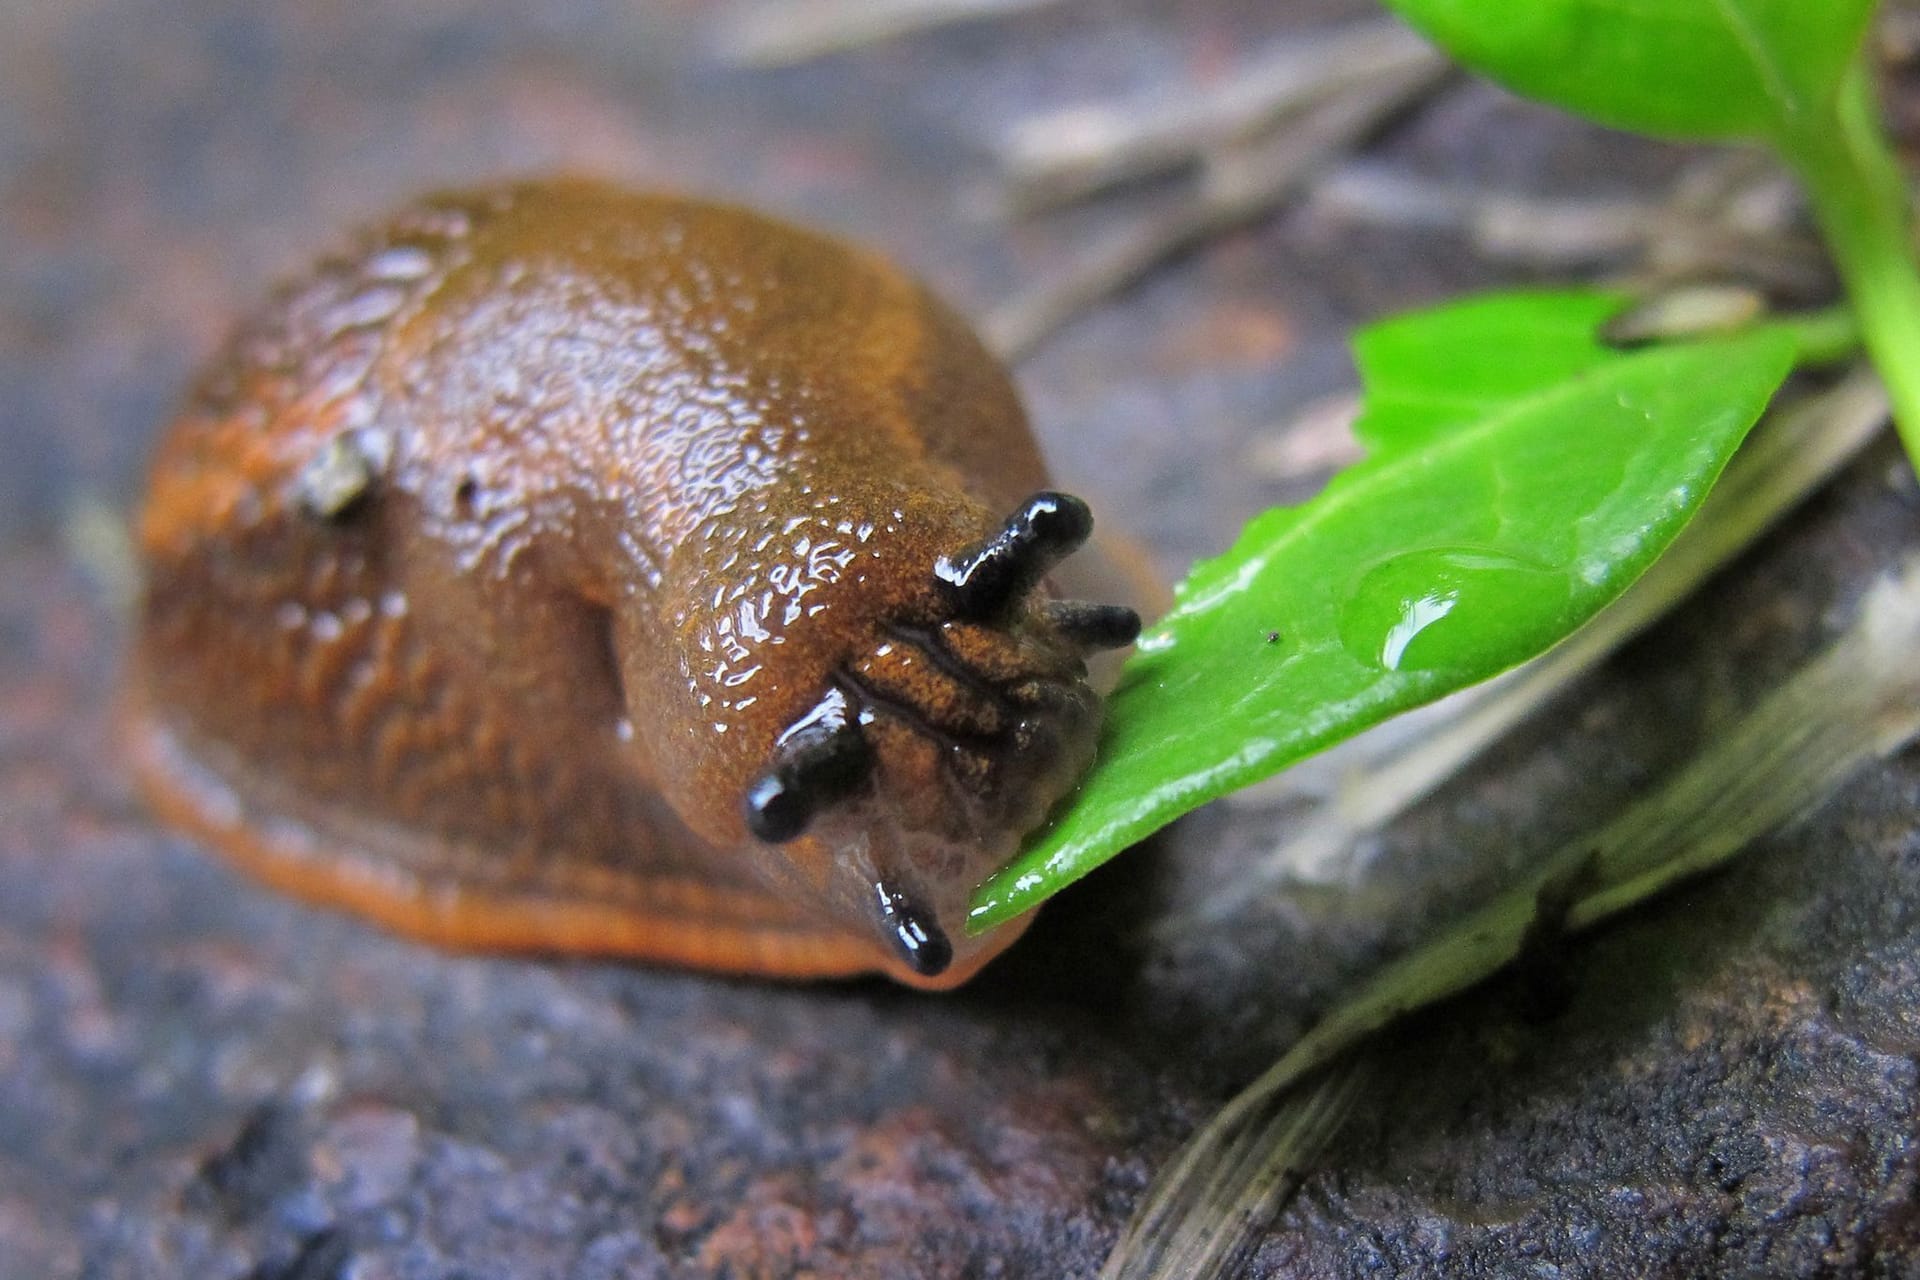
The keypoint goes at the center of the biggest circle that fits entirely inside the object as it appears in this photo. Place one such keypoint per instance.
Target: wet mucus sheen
(569, 569)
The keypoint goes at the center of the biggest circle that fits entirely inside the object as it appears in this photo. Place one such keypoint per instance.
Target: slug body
(572, 570)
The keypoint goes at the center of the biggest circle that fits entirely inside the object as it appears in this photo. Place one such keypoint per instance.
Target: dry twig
(1058, 156)
(785, 32)
(1745, 233)
(1237, 186)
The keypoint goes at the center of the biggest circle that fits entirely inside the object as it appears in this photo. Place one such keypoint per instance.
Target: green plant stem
(1860, 199)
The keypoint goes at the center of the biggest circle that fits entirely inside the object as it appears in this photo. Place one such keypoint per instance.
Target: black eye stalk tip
(989, 578)
(777, 810)
(922, 943)
(1094, 626)
(822, 759)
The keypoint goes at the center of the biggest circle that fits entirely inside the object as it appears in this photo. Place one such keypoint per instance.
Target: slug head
(930, 754)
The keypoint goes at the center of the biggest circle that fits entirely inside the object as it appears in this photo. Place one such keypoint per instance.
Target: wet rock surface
(198, 1078)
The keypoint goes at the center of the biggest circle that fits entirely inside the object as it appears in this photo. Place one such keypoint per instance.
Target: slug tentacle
(915, 677)
(1094, 626)
(921, 942)
(988, 579)
(568, 569)
(821, 759)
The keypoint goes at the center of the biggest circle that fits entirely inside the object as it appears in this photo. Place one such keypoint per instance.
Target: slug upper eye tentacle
(987, 579)
(821, 758)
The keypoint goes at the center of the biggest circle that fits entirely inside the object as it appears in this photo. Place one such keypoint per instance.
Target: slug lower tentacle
(567, 569)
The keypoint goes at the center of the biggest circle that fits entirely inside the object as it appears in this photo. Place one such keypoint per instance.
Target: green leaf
(1688, 68)
(1786, 72)
(1522, 476)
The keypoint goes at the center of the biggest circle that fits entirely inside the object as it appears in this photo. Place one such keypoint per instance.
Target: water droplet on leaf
(1447, 608)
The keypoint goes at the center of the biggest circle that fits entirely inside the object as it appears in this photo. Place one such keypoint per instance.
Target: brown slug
(575, 570)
